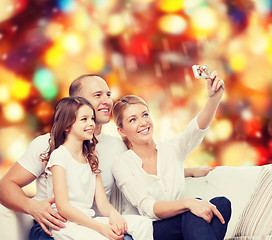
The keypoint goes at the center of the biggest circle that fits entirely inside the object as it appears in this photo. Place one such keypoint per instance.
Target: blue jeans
(187, 226)
(37, 233)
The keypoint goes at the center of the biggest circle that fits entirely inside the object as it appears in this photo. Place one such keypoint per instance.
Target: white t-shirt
(107, 149)
(141, 189)
(81, 181)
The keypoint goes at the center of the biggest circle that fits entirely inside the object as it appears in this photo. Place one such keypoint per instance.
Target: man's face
(96, 90)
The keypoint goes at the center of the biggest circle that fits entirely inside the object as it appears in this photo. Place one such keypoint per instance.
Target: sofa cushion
(256, 218)
(235, 183)
(14, 225)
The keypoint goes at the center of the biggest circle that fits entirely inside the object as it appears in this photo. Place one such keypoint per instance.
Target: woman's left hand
(216, 86)
(118, 221)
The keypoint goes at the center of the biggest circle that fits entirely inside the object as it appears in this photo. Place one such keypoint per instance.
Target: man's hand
(197, 171)
(201, 171)
(45, 215)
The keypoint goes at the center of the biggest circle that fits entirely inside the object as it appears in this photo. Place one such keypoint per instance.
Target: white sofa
(239, 184)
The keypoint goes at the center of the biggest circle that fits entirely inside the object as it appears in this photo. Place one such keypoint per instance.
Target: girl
(151, 175)
(74, 177)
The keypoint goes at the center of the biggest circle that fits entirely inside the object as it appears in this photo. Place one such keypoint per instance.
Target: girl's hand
(109, 232)
(118, 222)
(201, 171)
(215, 86)
(205, 210)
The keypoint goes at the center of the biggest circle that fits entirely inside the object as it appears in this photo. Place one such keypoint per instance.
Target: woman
(151, 175)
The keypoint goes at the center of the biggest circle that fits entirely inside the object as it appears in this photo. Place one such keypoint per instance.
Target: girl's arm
(70, 212)
(215, 87)
(106, 209)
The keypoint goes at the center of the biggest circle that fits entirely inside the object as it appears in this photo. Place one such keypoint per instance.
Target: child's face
(83, 127)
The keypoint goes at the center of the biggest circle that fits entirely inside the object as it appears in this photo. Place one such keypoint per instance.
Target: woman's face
(137, 124)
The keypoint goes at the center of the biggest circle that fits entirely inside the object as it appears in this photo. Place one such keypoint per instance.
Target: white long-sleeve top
(141, 189)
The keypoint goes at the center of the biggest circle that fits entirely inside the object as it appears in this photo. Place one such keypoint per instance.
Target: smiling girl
(74, 177)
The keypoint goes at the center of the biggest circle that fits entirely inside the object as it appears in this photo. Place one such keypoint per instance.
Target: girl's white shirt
(141, 189)
(107, 149)
(80, 180)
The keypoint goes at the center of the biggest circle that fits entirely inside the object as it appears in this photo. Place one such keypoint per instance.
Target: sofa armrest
(14, 225)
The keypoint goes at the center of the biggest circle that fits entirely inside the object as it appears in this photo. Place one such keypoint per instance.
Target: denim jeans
(187, 226)
(37, 233)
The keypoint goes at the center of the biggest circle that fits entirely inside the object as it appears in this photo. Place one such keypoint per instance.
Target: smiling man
(30, 167)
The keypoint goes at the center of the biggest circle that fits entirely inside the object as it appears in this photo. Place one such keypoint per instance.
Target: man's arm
(197, 171)
(13, 197)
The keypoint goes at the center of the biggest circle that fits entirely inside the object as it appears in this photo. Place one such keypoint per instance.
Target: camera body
(201, 71)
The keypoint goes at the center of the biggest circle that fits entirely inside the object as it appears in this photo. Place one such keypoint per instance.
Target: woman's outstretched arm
(215, 88)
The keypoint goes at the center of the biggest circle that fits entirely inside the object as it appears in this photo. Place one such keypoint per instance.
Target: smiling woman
(151, 175)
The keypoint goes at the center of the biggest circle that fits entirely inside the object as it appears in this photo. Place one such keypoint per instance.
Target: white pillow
(235, 183)
(256, 219)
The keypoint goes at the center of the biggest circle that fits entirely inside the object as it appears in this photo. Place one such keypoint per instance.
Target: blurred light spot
(255, 76)
(177, 90)
(53, 30)
(44, 81)
(191, 6)
(95, 34)
(44, 112)
(66, 5)
(13, 112)
(263, 6)
(14, 141)
(20, 89)
(7, 10)
(223, 129)
(73, 43)
(173, 24)
(238, 62)
(246, 114)
(239, 154)
(81, 19)
(200, 158)
(259, 42)
(101, 3)
(204, 22)
(170, 5)
(95, 61)
(263, 155)
(54, 55)
(116, 24)
(4, 93)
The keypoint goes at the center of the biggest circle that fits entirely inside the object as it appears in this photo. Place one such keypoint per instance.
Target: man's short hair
(76, 85)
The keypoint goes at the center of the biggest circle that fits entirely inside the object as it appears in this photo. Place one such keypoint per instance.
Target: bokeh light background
(147, 48)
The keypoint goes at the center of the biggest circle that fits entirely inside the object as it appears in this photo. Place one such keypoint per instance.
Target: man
(29, 167)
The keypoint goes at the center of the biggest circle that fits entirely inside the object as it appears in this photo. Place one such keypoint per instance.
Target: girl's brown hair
(64, 118)
(118, 111)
